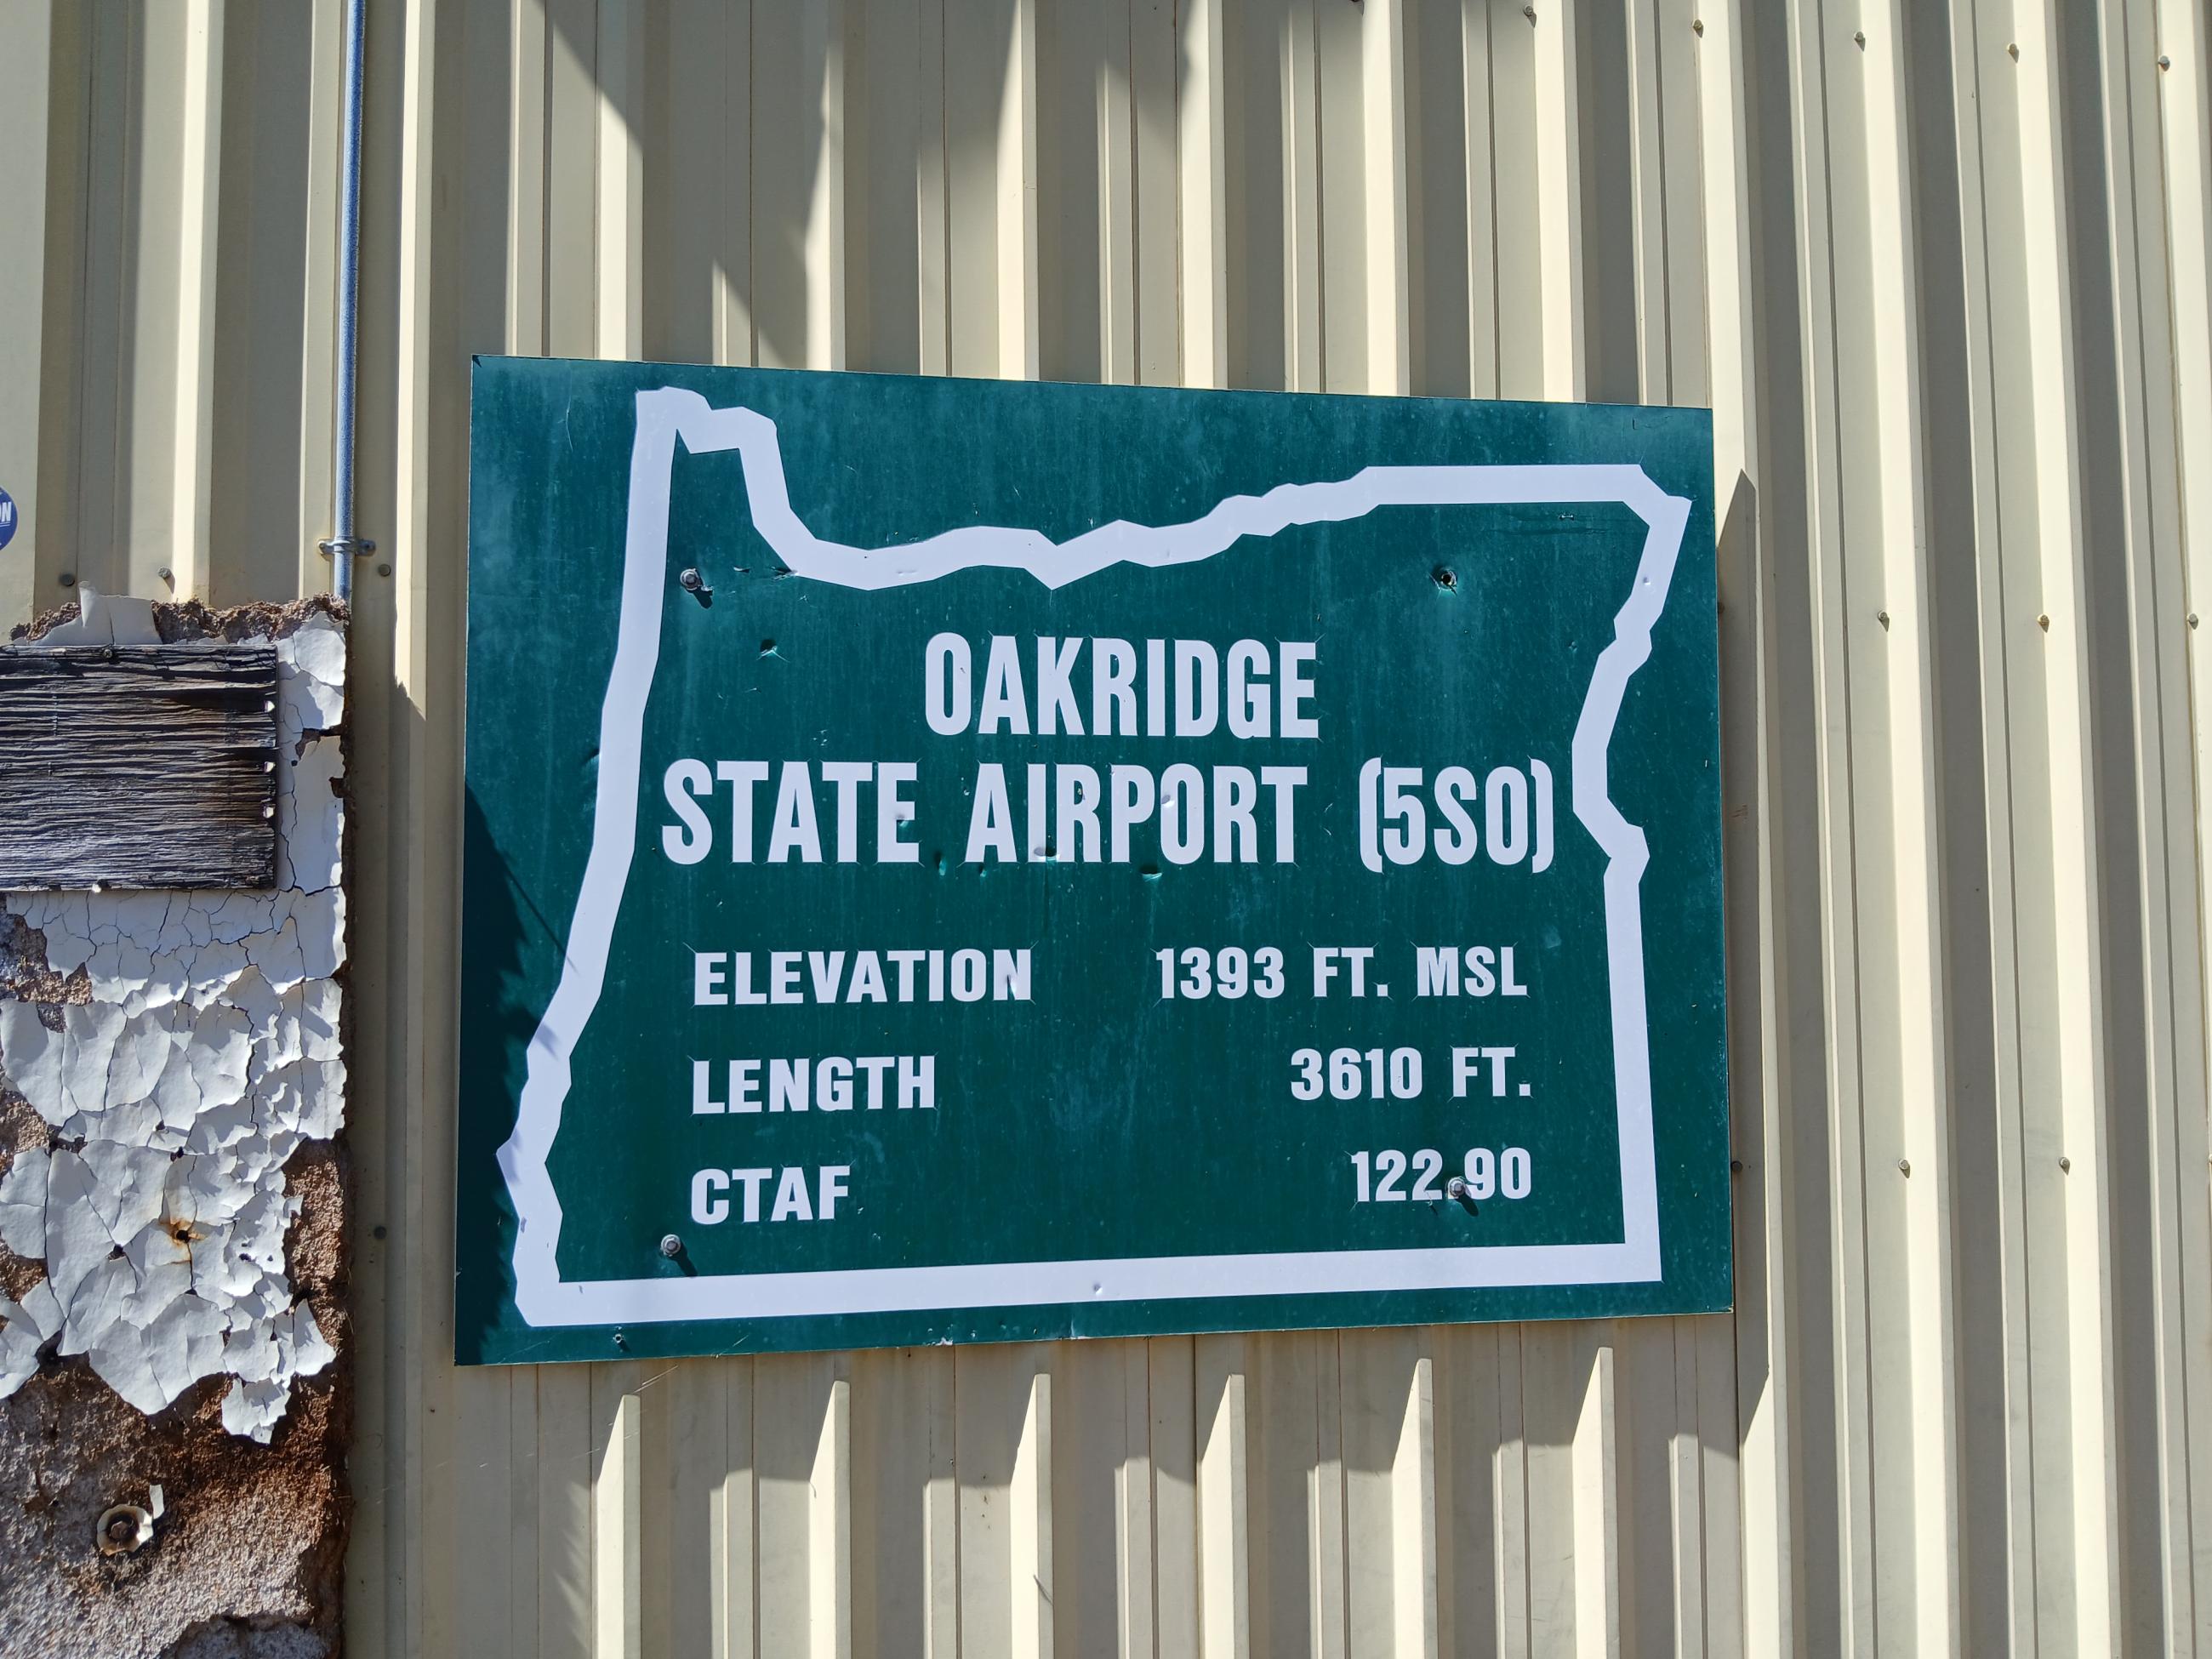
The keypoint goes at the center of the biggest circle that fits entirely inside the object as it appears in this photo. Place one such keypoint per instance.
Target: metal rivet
(1905, 1166)
(2192, 619)
(2065, 1165)
(67, 579)
(1736, 1166)
(2164, 62)
(1861, 38)
(383, 570)
(1456, 1189)
(691, 582)
(1528, 12)
(2042, 620)
(167, 575)
(670, 1246)
(1697, 26)
(2013, 49)
(1883, 616)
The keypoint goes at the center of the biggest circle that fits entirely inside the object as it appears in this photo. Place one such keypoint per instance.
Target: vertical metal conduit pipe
(343, 547)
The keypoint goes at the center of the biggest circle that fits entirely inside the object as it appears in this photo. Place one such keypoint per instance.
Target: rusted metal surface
(138, 766)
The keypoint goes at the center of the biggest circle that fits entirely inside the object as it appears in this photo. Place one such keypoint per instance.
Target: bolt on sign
(956, 861)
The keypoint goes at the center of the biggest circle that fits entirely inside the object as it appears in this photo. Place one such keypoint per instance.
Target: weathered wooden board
(138, 766)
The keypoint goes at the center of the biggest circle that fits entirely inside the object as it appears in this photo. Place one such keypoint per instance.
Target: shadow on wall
(781, 124)
(495, 1021)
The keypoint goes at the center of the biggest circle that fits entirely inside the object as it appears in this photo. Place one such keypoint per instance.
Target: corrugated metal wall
(1944, 273)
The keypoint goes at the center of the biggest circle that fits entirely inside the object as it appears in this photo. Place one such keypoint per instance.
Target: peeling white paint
(101, 619)
(208, 1056)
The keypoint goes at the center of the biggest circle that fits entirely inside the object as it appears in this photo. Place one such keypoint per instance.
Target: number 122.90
(1487, 1175)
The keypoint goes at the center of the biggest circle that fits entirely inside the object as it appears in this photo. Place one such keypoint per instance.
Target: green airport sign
(952, 860)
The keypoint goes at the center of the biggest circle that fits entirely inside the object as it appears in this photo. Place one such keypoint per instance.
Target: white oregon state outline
(667, 413)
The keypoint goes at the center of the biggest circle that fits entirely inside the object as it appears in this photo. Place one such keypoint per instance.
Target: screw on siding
(1528, 12)
(1905, 1166)
(2013, 49)
(67, 579)
(2042, 620)
(2164, 62)
(1697, 26)
(2065, 1165)
(167, 575)
(383, 570)
(1883, 616)
(1860, 36)
(2192, 619)
(670, 1246)
(1736, 1166)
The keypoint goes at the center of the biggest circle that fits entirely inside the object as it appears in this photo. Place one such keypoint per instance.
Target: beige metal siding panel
(2040, 557)
(1887, 1151)
(1521, 297)
(1677, 1445)
(1202, 166)
(804, 1495)
(315, 250)
(981, 72)
(2179, 1315)
(271, 312)
(200, 233)
(1999, 1565)
(1437, 165)
(617, 1526)
(1953, 307)
(1350, 298)
(1083, 226)
(2164, 1487)
(30, 173)
(1233, 1589)
(99, 349)
(1017, 207)
(2179, 34)
(1787, 1366)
